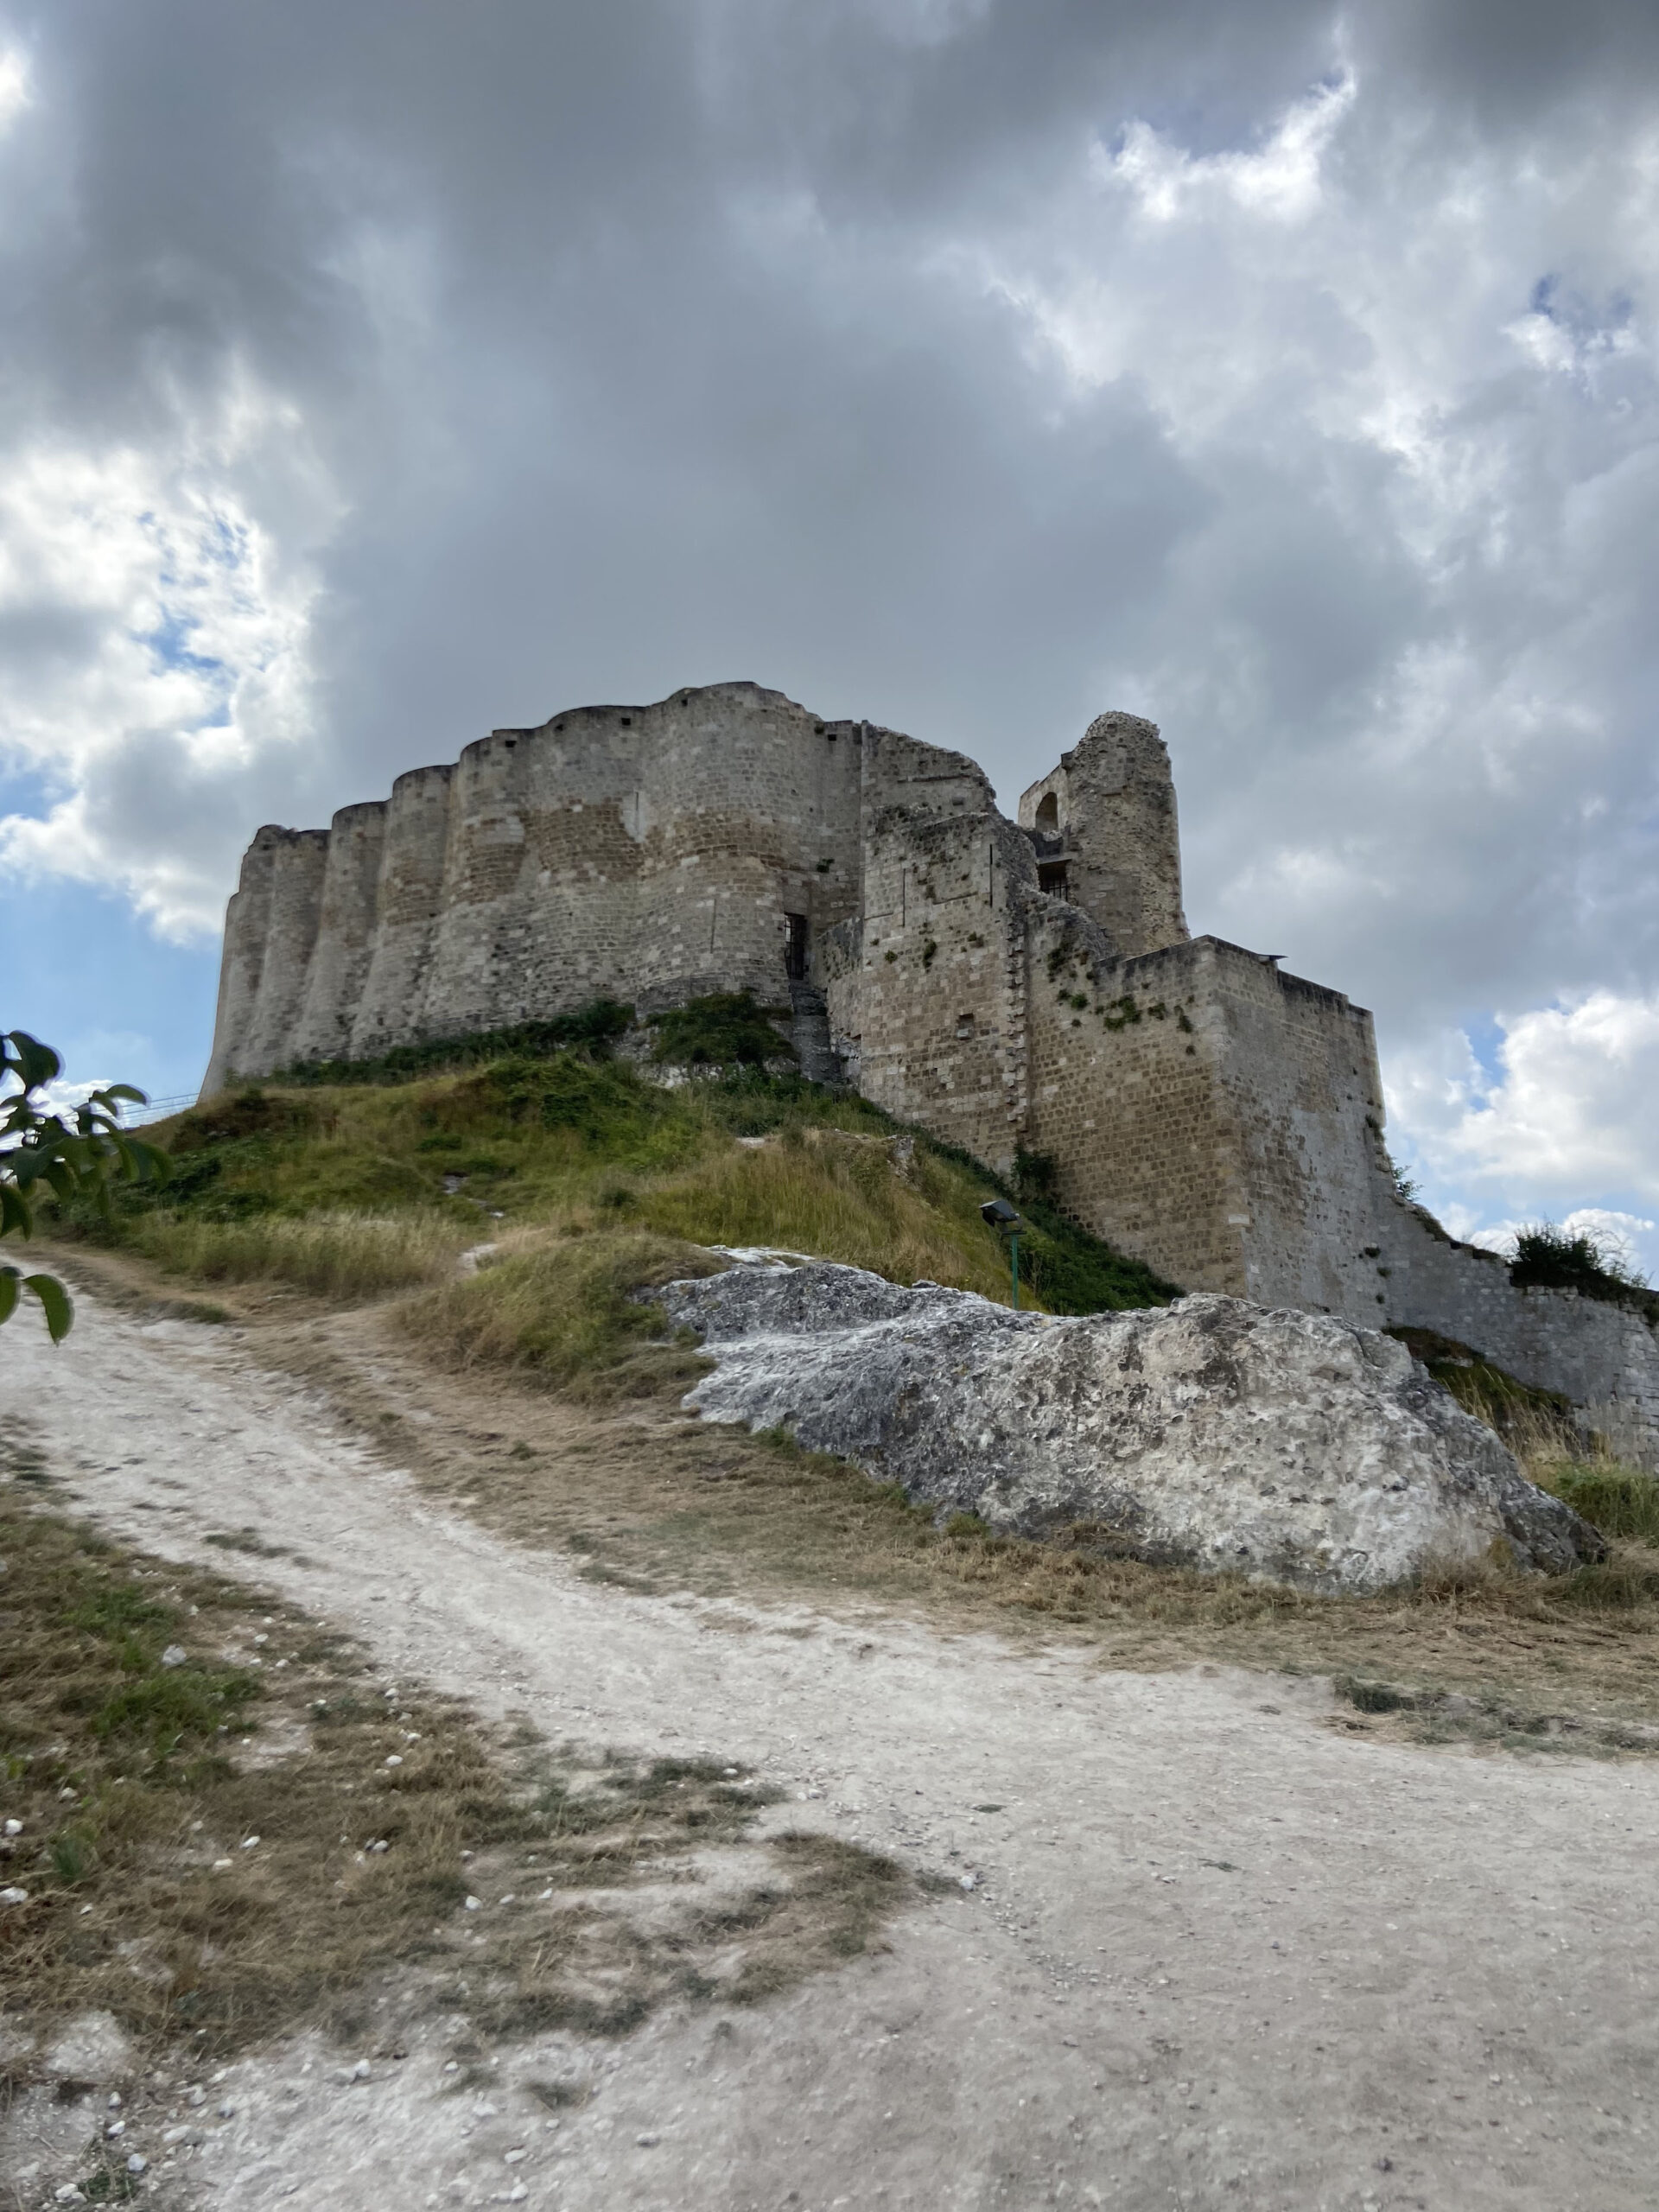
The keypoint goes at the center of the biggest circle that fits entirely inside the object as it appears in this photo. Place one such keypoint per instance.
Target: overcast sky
(373, 372)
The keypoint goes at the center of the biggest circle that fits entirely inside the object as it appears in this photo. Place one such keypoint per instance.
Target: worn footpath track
(1215, 1956)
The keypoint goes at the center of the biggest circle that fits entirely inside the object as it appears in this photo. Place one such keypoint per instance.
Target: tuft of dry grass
(868, 1200)
(342, 1256)
(562, 1312)
(225, 1826)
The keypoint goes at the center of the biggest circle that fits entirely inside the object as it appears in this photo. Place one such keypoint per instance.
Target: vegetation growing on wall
(725, 1030)
(593, 1028)
(1548, 1258)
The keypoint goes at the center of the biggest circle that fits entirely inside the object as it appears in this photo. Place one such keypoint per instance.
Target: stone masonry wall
(339, 965)
(1297, 1066)
(408, 895)
(1602, 1356)
(932, 1010)
(1126, 1100)
(1208, 1115)
(298, 860)
(247, 923)
(648, 853)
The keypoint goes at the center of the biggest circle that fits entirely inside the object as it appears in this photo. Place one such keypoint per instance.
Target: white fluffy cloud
(1561, 1106)
(157, 638)
(1568, 1107)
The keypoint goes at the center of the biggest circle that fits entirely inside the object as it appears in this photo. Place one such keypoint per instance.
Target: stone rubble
(1281, 1446)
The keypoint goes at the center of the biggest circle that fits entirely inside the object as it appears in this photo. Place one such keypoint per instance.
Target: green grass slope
(589, 1178)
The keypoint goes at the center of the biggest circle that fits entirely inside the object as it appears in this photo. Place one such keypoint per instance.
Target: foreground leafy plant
(76, 1157)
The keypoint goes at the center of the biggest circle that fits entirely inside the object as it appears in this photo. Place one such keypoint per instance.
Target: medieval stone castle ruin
(1011, 987)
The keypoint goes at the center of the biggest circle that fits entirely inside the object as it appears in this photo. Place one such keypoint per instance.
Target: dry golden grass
(560, 1311)
(870, 1201)
(333, 1256)
(153, 1720)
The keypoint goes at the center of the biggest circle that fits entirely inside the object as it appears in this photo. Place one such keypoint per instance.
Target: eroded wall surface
(1105, 819)
(649, 853)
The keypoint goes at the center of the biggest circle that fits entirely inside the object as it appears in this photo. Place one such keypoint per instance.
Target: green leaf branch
(82, 1153)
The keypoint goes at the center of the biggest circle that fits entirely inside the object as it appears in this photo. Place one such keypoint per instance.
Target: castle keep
(1013, 986)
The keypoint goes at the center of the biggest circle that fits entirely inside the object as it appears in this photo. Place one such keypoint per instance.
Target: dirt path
(1215, 1956)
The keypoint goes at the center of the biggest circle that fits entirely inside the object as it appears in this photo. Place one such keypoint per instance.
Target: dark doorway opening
(795, 952)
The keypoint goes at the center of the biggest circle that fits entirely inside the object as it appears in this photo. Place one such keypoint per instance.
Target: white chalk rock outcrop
(1285, 1446)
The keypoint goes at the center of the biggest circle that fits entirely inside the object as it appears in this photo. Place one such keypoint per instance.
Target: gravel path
(1215, 1956)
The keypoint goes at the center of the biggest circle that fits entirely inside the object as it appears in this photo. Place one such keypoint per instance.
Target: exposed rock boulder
(1284, 1446)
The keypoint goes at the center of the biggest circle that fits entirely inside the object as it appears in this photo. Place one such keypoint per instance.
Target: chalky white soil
(1216, 1956)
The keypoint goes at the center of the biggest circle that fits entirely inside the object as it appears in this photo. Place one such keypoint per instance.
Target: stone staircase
(808, 1032)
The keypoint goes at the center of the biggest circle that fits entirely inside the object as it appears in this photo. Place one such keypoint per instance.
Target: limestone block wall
(645, 852)
(1126, 1100)
(1211, 1116)
(1603, 1357)
(339, 965)
(299, 859)
(247, 921)
(928, 1002)
(1111, 803)
(409, 894)
(1303, 1094)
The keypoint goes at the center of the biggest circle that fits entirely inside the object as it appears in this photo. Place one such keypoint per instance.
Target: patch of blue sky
(1576, 313)
(169, 641)
(84, 973)
(1485, 1034)
(26, 791)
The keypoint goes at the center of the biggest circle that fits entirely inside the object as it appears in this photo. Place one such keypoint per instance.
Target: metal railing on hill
(156, 1110)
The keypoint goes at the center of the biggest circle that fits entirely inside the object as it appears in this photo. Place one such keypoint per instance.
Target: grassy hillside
(589, 1178)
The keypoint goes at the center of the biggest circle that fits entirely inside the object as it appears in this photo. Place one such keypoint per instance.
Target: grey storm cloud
(1284, 373)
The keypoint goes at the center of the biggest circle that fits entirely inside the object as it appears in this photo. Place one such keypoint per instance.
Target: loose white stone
(175, 1655)
(91, 2047)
